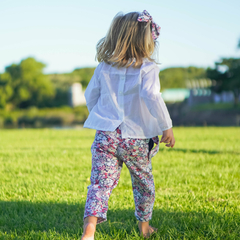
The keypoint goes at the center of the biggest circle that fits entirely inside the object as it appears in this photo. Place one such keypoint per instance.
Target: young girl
(127, 110)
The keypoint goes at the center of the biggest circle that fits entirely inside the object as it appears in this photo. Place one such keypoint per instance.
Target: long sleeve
(150, 92)
(129, 97)
(92, 92)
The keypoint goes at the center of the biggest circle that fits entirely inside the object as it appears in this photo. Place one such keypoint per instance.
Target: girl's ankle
(143, 226)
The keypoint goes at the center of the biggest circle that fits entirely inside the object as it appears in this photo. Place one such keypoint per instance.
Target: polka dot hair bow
(145, 17)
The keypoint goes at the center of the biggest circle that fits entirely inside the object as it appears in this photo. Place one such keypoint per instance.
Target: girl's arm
(92, 92)
(151, 95)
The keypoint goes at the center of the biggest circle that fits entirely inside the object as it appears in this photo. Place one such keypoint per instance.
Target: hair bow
(145, 17)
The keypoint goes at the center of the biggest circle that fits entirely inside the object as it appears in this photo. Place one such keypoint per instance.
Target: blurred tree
(176, 77)
(30, 86)
(6, 89)
(229, 79)
(85, 75)
(62, 83)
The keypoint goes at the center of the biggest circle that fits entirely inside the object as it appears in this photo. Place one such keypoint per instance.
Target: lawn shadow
(184, 150)
(66, 219)
(25, 216)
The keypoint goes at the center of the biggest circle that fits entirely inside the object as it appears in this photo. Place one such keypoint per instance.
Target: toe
(153, 229)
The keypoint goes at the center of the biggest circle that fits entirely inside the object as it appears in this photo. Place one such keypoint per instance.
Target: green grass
(44, 176)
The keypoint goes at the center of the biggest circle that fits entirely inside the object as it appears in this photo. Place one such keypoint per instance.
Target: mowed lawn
(44, 174)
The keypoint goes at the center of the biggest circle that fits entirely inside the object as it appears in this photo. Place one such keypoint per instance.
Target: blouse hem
(127, 136)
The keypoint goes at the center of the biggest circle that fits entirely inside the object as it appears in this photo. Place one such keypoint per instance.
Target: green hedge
(45, 117)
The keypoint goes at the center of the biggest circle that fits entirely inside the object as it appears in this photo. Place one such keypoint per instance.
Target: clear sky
(63, 33)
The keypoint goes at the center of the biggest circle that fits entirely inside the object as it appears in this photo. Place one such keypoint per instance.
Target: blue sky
(63, 34)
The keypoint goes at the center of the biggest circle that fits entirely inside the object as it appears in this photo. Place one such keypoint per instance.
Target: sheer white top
(129, 97)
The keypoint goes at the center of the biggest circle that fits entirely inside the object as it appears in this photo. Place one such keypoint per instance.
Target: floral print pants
(109, 151)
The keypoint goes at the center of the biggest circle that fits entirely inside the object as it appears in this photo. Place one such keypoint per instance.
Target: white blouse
(129, 97)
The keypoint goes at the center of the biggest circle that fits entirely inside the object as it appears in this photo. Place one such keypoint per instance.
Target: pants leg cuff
(143, 218)
(99, 218)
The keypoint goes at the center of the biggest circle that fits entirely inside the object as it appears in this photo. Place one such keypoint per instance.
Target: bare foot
(146, 230)
(88, 233)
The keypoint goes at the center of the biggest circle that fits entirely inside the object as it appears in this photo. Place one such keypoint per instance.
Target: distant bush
(45, 117)
(24, 84)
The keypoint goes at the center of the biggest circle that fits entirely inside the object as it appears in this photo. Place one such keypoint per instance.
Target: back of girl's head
(127, 39)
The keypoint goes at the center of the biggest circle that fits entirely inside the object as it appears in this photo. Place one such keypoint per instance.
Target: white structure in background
(226, 96)
(76, 95)
(197, 92)
(200, 92)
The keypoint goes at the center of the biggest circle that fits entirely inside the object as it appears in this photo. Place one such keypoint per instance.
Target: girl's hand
(168, 137)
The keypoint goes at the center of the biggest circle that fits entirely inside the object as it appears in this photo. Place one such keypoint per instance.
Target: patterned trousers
(109, 151)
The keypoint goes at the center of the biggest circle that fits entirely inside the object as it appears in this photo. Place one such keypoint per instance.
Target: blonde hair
(126, 40)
